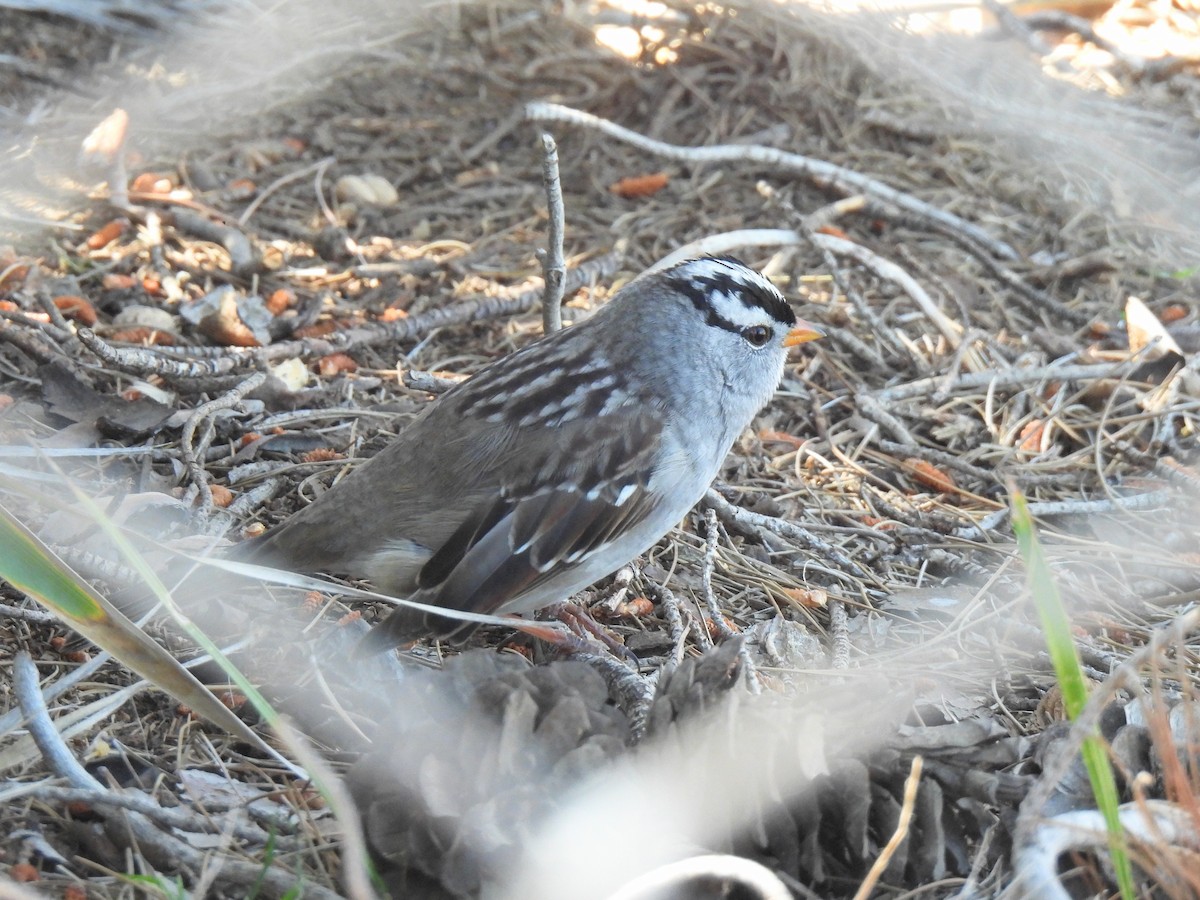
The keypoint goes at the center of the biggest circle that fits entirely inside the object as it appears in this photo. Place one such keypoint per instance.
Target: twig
(275, 185)
(634, 693)
(34, 344)
(1034, 302)
(823, 173)
(1148, 500)
(12, 718)
(37, 616)
(831, 212)
(882, 332)
(180, 817)
(906, 813)
(42, 730)
(147, 362)
(787, 530)
(243, 260)
(889, 271)
(427, 382)
(252, 499)
(941, 458)
(53, 332)
(238, 878)
(872, 409)
(726, 242)
(1138, 66)
(1011, 378)
(554, 268)
(749, 669)
(675, 626)
(1013, 24)
(839, 631)
(711, 533)
(462, 313)
(46, 302)
(202, 413)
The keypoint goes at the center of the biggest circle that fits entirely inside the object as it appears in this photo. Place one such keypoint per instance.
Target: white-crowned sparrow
(555, 466)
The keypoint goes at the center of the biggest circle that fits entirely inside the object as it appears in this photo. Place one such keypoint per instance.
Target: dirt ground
(998, 231)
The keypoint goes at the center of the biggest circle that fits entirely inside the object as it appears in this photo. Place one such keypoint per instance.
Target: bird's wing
(583, 486)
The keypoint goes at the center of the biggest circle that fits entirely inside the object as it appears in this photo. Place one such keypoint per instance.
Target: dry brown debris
(392, 216)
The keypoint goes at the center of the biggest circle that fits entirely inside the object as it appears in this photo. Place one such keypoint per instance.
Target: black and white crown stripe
(731, 295)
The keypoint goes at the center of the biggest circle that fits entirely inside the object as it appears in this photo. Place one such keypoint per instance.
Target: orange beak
(802, 334)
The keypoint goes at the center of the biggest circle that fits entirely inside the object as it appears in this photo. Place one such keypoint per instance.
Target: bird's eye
(757, 335)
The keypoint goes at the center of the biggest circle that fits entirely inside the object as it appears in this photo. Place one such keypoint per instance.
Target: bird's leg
(580, 621)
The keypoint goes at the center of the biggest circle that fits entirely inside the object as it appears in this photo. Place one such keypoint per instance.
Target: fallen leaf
(927, 474)
(833, 231)
(13, 274)
(105, 235)
(281, 300)
(242, 188)
(768, 436)
(321, 454)
(114, 281)
(104, 142)
(335, 363)
(1031, 436)
(640, 185)
(1173, 313)
(24, 872)
(711, 627)
(152, 183)
(635, 608)
(1145, 329)
(77, 309)
(815, 598)
(230, 319)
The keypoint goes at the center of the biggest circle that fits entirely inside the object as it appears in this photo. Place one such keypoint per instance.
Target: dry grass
(880, 554)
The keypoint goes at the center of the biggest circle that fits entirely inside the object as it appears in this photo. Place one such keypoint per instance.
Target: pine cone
(473, 759)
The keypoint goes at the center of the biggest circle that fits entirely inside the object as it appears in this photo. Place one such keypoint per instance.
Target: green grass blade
(1061, 645)
(30, 566)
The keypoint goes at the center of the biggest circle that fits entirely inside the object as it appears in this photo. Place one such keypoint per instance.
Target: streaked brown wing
(536, 526)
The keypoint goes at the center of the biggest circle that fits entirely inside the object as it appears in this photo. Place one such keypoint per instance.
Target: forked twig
(554, 268)
(42, 730)
(824, 174)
